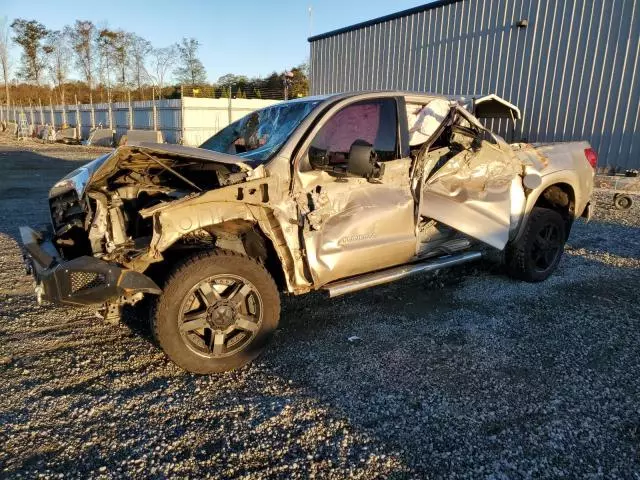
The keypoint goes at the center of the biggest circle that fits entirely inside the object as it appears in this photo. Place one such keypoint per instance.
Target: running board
(391, 274)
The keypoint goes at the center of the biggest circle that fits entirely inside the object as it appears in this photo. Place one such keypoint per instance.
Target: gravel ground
(463, 375)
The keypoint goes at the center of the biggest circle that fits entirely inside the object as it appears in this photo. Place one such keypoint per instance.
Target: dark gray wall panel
(573, 71)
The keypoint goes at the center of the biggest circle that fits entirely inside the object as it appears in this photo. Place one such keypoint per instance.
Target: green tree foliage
(29, 35)
(299, 82)
(190, 71)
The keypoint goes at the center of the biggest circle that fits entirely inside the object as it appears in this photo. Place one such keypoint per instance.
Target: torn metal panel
(172, 224)
(489, 106)
(470, 189)
(475, 173)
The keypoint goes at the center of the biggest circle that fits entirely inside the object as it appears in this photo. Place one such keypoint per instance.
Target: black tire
(195, 293)
(535, 255)
(622, 201)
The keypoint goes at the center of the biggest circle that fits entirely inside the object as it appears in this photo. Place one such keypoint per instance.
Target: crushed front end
(95, 250)
(84, 280)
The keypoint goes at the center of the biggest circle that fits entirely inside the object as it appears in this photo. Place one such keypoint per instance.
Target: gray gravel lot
(465, 375)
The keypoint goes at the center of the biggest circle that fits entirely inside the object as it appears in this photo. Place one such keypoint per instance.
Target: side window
(371, 121)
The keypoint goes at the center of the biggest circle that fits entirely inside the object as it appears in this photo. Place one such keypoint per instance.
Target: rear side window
(372, 121)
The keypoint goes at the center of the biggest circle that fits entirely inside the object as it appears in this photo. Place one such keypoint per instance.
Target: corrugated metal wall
(573, 71)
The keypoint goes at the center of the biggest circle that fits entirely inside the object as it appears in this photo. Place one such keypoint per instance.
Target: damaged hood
(192, 152)
(102, 166)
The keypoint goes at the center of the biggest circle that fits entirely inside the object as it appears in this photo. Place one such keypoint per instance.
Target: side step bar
(391, 274)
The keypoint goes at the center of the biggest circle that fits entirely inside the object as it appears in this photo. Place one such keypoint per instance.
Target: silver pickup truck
(339, 192)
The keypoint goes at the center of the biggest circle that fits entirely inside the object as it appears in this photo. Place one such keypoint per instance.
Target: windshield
(259, 135)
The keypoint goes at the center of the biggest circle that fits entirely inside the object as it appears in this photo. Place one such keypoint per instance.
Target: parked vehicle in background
(339, 192)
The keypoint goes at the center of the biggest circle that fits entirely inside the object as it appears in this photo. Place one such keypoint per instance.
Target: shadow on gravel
(442, 379)
(25, 181)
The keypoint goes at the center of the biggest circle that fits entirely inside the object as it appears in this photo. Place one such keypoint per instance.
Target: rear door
(467, 180)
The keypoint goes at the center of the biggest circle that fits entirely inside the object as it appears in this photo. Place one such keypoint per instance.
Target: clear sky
(244, 37)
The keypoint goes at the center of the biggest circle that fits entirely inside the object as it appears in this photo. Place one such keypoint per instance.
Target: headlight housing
(78, 179)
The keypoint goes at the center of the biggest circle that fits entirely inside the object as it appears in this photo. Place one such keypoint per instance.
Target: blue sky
(248, 37)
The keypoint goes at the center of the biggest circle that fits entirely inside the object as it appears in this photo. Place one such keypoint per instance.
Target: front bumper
(82, 281)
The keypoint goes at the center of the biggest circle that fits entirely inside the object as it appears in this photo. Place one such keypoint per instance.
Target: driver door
(351, 224)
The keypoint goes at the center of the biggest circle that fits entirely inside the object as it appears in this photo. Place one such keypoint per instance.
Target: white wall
(202, 116)
(205, 116)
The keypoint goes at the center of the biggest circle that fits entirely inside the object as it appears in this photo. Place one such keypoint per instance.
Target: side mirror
(363, 161)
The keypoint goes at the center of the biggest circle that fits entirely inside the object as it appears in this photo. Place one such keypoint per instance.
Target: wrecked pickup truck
(338, 192)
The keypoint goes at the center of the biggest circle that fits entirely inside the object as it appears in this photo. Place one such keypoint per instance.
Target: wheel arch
(556, 193)
(239, 227)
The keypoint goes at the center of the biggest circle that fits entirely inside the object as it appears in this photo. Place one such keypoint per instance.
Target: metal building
(571, 66)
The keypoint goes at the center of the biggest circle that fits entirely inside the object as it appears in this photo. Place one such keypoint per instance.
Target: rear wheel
(217, 312)
(538, 251)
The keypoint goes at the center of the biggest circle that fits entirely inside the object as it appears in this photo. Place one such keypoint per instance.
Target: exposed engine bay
(104, 219)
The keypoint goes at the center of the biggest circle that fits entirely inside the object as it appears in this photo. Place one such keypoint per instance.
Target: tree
(82, 35)
(139, 50)
(4, 56)
(121, 51)
(231, 80)
(162, 60)
(29, 35)
(58, 54)
(191, 69)
(299, 82)
(105, 45)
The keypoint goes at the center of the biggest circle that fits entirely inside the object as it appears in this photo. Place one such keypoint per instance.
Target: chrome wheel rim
(547, 246)
(220, 316)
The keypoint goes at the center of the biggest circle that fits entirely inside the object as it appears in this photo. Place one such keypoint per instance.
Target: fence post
(78, 120)
(130, 110)
(109, 112)
(154, 109)
(53, 117)
(182, 129)
(32, 117)
(93, 112)
(230, 113)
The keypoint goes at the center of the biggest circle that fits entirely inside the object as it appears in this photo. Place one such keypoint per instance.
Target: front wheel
(536, 254)
(217, 312)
